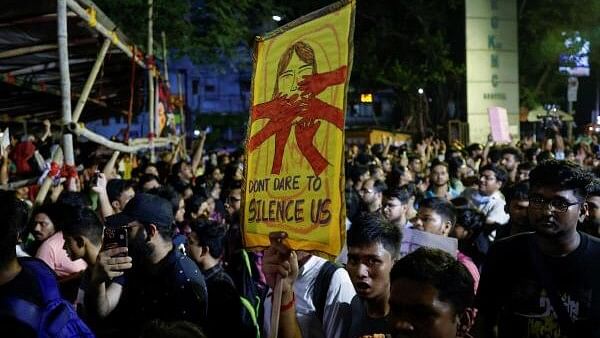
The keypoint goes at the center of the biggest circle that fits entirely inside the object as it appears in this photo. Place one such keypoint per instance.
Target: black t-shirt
(511, 290)
(225, 304)
(172, 290)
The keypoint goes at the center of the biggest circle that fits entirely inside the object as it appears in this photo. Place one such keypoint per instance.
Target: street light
(276, 18)
(420, 91)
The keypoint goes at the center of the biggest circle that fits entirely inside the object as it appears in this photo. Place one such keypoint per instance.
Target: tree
(207, 31)
(542, 25)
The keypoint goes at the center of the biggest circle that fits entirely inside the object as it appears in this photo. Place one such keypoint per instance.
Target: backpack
(321, 286)
(55, 318)
(252, 294)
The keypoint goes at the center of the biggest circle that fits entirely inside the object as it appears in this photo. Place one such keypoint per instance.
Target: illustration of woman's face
(293, 73)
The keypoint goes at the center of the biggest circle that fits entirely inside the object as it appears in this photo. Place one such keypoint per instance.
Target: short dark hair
(499, 172)
(372, 228)
(449, 277)
(84, 222)
(526, 166)
(401, 194)
(513, 151)
(210, 234)
(169, 194)
(50, 210)
(594, 188)
(357, 171)
(147, 178)
(517, 191)
(440, 206)
(115, 187)
(379, 186)
(14, 216)
(565, 175)
(471, 219)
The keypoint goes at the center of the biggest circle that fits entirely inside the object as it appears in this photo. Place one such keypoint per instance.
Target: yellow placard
(294, 152)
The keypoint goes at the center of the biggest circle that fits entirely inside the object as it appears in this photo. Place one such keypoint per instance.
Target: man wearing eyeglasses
(371, 195)
(545, 283)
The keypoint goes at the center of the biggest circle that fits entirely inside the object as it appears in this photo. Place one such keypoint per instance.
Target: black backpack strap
(321, 286)
(567, 325)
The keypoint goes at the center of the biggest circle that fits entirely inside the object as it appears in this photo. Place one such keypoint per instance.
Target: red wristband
(288, 305)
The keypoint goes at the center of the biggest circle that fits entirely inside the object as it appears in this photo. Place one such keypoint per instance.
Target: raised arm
(197, 158)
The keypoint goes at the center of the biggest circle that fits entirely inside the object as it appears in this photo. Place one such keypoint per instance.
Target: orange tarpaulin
(294, 177)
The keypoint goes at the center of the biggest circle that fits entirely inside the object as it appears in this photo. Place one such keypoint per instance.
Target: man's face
(439, 175)
(368, 194)
(369, 268)
(488, 184)
(593, 203)
(432, 222)
(417, 312)
(554, 220)
(394, 211)
(406, 177)
(415, 165)
(517, 209)
(193, 247)
(74, 251)
(217, 175)
(139, 247)
(180, 213)
(386, 165)
(379, 174)
(509, 162)
(42, 227)
(234, 201)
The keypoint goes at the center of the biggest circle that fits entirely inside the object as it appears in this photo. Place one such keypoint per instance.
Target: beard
(139, 248)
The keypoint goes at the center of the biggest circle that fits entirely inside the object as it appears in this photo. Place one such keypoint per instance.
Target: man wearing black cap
(161, 283)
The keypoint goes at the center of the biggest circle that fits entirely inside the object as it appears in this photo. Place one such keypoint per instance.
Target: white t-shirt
(337, 314)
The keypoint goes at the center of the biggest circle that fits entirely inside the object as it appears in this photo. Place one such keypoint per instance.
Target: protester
(373, 247)
(431, 296)
(542, 284)
(162, 283)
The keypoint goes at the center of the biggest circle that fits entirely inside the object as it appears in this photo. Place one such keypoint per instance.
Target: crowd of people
(130, 248)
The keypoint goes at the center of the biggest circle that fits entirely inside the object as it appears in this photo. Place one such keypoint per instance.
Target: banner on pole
(294, 152)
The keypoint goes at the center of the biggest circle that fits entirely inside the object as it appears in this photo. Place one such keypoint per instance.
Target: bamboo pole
(181, 111)
(65, 80)
(81, 12)
(41, 196)
(164, 52)
(89, 83)
(151, 108)
(80, 130)
(27, 50)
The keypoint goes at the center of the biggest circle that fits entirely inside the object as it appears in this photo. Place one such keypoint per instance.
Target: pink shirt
(51, 251)
(468, 263)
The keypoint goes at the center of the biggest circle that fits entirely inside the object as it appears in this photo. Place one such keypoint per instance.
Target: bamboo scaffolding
(89, 83)
(18, 184)
(80, 130)
(113, 36)
(41, 196)
(151, 68)
(65, 80)
(164, 55)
